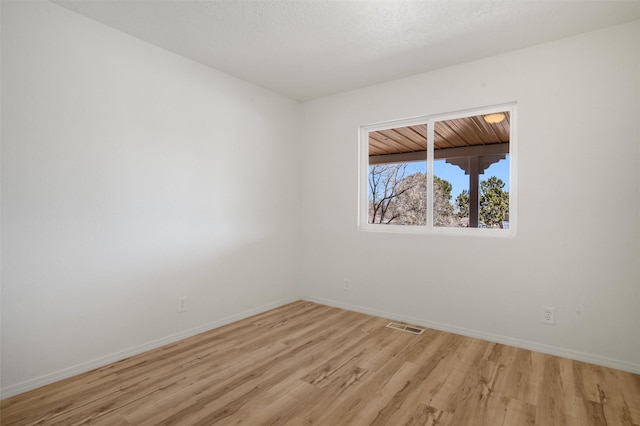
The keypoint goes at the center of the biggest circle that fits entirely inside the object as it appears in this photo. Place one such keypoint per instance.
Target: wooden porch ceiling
(457, 133)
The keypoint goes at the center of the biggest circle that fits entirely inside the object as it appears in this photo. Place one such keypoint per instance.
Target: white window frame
(430, 120)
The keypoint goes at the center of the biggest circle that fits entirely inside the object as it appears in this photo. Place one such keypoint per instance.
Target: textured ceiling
(306, 49)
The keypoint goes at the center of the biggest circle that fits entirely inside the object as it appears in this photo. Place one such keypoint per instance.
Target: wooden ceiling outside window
(464, 132)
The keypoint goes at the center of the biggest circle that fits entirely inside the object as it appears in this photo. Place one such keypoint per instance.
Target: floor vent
(406, 328)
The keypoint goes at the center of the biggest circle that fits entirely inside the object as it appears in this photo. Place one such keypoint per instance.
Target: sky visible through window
(455, 175)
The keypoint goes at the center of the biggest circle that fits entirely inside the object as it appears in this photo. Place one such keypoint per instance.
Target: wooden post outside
(474, 202)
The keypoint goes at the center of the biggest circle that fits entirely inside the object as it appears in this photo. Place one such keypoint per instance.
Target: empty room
(320, 212)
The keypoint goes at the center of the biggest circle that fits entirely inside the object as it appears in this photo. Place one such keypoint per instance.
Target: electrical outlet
(182, 304)
(347, 284)
(549, 315)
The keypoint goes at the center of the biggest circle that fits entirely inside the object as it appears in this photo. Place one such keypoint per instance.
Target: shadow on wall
(133, 305)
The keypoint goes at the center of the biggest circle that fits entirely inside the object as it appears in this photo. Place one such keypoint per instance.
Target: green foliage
(444, 186)
(493, 202)
(443, 212)
(462, 203)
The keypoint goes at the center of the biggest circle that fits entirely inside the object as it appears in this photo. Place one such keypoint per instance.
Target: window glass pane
(398, 176)
(471, 171)
(397, 193)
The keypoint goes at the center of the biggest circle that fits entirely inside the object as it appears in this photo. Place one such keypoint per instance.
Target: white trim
(28, 385)
(513, 170)
(495, 338)
(430, 146)
(363, 177)
(437, 230)
(392, 124)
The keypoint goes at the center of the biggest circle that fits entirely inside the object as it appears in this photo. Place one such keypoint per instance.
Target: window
(453, 171)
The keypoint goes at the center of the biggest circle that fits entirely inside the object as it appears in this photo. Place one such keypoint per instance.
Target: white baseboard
(28, 385)
(524, 344)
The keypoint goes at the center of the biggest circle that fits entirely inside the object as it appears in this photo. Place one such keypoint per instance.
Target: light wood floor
(311, 364)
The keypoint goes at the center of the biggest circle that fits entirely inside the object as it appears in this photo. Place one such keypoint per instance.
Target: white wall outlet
(548, 315)
(182, 303)
(347, 284)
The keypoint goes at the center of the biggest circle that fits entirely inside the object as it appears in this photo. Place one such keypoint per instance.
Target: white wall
(132, 176)
(577, 246)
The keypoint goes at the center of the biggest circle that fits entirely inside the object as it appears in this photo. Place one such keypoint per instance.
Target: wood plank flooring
(306, 363)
